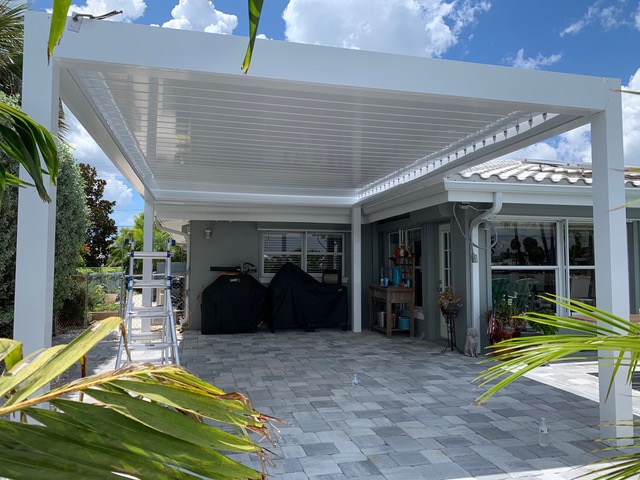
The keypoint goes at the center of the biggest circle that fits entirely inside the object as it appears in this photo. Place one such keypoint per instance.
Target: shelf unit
(408, 265)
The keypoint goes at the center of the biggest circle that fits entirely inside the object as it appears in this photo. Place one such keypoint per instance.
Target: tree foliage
(8, 233)
(11, 42)
(70, 217)
(118, 250)
(71, 227)
(102, 228)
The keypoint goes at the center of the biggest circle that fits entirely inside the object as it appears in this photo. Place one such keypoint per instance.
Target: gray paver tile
(411, 418)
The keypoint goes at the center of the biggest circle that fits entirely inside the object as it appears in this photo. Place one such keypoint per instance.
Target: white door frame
(444, 266)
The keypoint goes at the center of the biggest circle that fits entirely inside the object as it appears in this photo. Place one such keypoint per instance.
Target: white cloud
(116, 190)
(575, 146)
(533, 63)
(201, 16)
(637, 18)
(131, 9)
(609, 17)
(539, 151)
(631, 121)
(413, 27)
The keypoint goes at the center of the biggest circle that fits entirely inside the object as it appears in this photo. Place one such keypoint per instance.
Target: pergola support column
(35, 250)
(611, 259)
(356, 268)
(147, 263)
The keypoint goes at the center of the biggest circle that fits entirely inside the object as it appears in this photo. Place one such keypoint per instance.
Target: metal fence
(98, 295)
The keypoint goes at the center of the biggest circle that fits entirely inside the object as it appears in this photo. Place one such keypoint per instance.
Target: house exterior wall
(427, 326)
(231, 244)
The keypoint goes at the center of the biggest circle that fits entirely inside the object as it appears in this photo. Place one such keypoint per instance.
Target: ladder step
(156, 309)
(149, 346)
(163, 314)
(152, 255)
(150, 336)
(149, 283)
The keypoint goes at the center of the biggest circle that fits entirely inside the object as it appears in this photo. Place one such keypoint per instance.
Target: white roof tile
(535, 171)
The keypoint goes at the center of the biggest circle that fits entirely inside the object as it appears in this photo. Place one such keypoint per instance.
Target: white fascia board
(400, 209)
(168, 190)
(524, 193)
(252, 213)
(250, 199)
(170, 49)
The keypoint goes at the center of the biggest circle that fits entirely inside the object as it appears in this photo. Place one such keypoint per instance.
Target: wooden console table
(388, 296)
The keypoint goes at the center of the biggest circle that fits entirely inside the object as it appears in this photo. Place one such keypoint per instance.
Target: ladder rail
(165, 340)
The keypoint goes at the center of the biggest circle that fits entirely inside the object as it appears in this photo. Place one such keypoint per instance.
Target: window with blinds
(314, 252)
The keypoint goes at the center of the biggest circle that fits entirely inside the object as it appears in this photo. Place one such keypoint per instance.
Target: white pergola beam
(610, 237)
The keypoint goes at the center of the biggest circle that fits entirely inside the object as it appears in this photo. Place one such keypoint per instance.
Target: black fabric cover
(233, 304)
(296, 299)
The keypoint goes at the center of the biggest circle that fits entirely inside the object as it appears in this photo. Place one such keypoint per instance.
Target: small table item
(388, 296)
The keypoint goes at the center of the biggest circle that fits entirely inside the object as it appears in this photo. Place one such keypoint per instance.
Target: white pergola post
(611, 258)
(147, 263)
(356, 268)
(33, 305)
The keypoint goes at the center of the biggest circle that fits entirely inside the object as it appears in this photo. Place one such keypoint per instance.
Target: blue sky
(600, 38)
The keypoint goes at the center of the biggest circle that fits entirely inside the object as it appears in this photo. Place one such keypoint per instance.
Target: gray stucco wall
(233, 243)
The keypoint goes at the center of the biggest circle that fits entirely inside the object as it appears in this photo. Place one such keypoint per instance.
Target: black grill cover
(296, 299)
(233, 304)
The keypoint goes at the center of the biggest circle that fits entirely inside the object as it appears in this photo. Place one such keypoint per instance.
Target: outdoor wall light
(207, 234)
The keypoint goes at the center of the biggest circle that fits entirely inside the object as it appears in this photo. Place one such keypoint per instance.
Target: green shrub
(6, 323)
(72, 313)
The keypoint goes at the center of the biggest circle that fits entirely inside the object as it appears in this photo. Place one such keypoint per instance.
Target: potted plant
(448, 300)
(503, 322)
(536, 328)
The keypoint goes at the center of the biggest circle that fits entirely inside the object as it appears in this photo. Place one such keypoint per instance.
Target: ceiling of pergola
(309, 126)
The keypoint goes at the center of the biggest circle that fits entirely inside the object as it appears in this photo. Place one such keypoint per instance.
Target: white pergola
(312, 134)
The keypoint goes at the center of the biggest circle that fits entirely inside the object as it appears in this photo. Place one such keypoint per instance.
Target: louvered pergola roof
(308, 127)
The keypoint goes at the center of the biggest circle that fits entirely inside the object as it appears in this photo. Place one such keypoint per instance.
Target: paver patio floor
(411, 417)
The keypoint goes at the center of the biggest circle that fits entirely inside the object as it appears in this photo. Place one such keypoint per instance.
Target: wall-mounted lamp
(207, 234)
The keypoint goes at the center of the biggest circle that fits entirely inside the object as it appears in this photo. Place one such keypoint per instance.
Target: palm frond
(145, 421)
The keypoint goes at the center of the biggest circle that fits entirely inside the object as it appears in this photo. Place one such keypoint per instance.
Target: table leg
(389, 321)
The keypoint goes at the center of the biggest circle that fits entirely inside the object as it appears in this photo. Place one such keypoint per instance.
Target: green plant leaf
(37, 370)
(24, 140)
(58, 22)
(605, 333)
(128, 435)
(176, 424)
(10, 352)
(255, 10)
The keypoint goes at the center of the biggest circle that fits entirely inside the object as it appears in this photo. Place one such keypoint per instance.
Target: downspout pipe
(475, 264)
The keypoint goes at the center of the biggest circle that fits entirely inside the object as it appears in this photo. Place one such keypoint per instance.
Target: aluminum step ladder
(164, 337)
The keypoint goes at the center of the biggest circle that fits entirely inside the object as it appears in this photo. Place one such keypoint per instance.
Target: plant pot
(504, 332)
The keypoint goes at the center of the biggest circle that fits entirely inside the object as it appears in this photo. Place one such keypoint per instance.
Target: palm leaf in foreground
(606, 333)
(24, 139)
(145, 421)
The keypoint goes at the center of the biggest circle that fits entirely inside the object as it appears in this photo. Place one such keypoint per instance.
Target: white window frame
(561, 272)
(266, 277)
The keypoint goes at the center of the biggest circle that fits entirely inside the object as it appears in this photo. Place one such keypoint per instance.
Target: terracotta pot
(504, 332)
